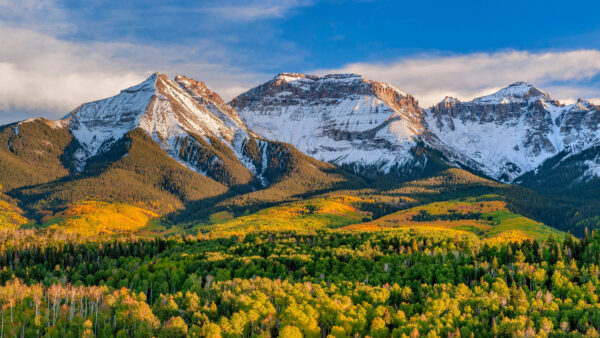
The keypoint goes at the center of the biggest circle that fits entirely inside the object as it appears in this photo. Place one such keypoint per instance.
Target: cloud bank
(43, 72)
(430, 78)
(44, 75)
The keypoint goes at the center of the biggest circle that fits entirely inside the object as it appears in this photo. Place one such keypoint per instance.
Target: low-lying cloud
(431, 78)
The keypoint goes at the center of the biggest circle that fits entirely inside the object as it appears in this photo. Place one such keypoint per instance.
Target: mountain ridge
(362, 125)
(163, 143)
(525, 130)
(503, 135)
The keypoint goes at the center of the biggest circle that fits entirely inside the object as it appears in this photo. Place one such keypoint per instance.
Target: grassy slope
(147, 175)
(291, 175)
(33, 155)
(335, 210)
(307, 215)
(11, 216)
(486, 216)
(94, 217)
(493, 220)
(34, 168)
(139, 173)
(456, 183)
(126, 191)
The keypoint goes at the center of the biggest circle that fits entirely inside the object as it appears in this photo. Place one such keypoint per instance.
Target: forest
(389, 283)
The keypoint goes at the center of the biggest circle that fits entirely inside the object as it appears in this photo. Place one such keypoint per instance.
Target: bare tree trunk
(47, 311)
(54, 315)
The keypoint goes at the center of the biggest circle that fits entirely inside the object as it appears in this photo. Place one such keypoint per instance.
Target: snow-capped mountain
(190, 122)
(342, 118)
(367, 126)
(348, 120)
(172, 146)
(512, 131)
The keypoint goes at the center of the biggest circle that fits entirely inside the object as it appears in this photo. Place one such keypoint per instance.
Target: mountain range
(369, 125)
(177, 148)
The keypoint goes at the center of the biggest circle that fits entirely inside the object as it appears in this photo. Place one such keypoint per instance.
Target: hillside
(486, 216)
(11, 216)
(305, 216)
(31, 153)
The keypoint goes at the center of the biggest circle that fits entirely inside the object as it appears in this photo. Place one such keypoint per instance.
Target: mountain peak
(450, 100)
(294, 77)
(513, 93)
(581, 105)
(166, 110)
(197, 88)
(184, 80)
(333, 84)
(520, 84)
(339, 118)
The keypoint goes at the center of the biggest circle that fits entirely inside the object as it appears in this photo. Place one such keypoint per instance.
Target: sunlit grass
(11, 216)
(94, 217)
(486, 216)
(310, 215)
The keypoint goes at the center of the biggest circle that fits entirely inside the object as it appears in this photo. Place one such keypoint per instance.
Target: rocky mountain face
(343, 119)
(512, 132)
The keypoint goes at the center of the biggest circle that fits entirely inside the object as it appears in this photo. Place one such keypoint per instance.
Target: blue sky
(59, 53)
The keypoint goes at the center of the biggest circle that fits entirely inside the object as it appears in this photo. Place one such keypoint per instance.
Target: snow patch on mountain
(592, 169)
(498, 149)
(165, 110)
(339, 118)
(97, 125)
(513, 131)
(516, 92)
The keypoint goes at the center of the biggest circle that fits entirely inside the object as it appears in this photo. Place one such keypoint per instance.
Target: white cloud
(254, 10)
(431, 78)
(44, 75)
(44, 15)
